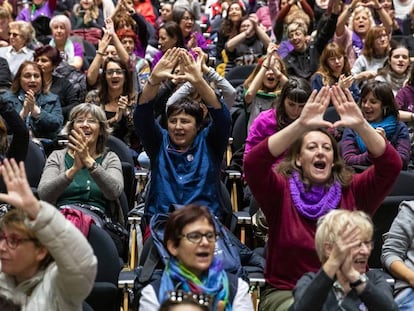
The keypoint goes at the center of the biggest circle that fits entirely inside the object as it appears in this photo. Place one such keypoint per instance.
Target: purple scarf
(357, 44)
(315, 201)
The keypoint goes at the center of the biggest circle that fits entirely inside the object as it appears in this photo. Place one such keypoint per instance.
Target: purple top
(284, 49)
(405, 98)
(201, 41)
(156, 58)
(27, 16)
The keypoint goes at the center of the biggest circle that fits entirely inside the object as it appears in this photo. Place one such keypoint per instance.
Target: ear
(298, 162)
(41, 253)
(327, 248)
(172, 248)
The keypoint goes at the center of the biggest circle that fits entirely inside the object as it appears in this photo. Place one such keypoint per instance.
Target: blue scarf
(214, 282)
(389, 124)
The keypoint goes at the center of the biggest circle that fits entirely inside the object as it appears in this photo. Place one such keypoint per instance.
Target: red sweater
(291, 245)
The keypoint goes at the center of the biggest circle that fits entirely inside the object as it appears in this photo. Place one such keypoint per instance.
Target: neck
(114, 94)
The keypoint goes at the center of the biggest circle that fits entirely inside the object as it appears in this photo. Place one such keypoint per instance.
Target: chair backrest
(120, 148)
(238, 74)
(109, 264)
(105, 294)
(34, 163)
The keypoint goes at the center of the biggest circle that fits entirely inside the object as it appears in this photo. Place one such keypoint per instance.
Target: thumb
(220, 305)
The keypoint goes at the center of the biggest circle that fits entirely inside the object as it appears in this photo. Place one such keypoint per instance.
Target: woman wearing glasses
(46, 263)
(115, 95)
(190, 238)
(84, 173)
(343, 242)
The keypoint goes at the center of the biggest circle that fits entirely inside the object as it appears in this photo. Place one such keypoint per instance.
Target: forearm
(254, 86)
(207, 94)
(281, 141)
(406, 116)
(386, 19)
(236, 40)
(400, 271)
(263, 37)
(109, 179)
(93, 71)
(122, 53)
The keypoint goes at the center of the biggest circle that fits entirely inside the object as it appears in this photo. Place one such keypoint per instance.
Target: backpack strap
(233, 286)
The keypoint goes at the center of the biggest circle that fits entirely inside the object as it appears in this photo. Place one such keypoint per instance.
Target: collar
(23, 50)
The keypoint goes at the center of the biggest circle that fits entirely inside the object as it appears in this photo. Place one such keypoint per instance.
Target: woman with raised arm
(186, 157)
(46, 262)
(311, 181)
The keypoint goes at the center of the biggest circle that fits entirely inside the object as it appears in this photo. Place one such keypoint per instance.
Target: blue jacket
(186, 177)
(50, 121)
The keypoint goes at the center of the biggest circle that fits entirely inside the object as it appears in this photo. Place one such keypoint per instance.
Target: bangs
(298, 95)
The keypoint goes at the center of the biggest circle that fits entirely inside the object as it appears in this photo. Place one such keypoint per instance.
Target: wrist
(100, 53)
(153, 82)
(93, 166)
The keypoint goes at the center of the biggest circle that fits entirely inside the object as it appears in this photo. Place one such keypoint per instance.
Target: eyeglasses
(380, 37)
(196, 237)
(14, 34)
(88, 121)
(14, 242)
(111, 72)
(187, 18)
(368, 244)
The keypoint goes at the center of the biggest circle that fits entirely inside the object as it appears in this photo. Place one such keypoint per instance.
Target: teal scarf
(389, 124)
(214, 282)
(68, 52)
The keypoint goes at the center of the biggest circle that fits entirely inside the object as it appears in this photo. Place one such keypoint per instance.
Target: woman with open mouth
(343, 241)
(39, 109)
(190, 237)
(311, 181)
(396, 69)
(380, 110)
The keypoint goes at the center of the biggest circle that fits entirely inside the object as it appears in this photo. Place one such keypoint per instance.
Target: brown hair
(332, 50)
(369, 44)
(16, 86)
(182, 217)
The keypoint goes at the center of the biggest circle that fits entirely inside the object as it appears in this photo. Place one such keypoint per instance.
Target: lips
(319, 164)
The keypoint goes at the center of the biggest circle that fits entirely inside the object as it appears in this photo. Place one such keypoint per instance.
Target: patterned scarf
(214, 282)
(316, 201)
(389, 124)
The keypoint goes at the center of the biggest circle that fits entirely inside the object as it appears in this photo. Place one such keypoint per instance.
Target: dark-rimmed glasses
(196, 236)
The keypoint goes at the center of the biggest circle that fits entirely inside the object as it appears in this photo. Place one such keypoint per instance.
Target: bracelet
(100, 53)
(152, 83)
(265, 67)
(350, 10)
(412, 117)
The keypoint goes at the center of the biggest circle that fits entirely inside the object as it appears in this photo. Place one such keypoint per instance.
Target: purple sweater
(405, 98)
(353, 156)
(291, 246)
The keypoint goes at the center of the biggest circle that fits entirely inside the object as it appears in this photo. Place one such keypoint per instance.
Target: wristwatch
(362, 279)
(93, 166)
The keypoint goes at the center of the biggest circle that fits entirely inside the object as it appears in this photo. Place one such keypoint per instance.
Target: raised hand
(314, 109)
(104, 42)
(163, 69)
(346, 82)
(348, 110)
(109, 25)
(78, 143)
(19, 194)
(190, 69)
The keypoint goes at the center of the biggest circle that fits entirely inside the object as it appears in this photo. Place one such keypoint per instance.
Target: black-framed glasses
(196, 236)
(118, 72)
(14, 242)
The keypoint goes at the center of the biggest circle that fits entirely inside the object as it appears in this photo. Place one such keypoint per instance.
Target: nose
(178, 125)
(3, 244)
(32, 78)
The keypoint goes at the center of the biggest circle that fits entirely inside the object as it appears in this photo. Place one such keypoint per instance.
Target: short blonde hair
(296, 26)
(331, 224)
(61, 19)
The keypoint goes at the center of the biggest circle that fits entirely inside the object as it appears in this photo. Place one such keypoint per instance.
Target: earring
(384, 111)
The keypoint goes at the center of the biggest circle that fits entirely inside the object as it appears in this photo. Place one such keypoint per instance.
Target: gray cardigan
(107, 176)
(399, 243)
